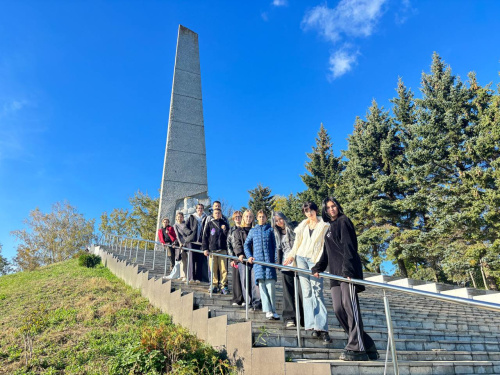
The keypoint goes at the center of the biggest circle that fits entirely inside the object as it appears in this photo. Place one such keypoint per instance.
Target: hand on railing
(250, 260)
(241, 257)
(206, 252)
(288, 261)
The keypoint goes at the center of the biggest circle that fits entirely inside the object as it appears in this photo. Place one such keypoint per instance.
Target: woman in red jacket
(166, 235)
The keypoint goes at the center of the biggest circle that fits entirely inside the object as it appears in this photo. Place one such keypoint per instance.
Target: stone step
(410, 367)
(429, 355)
(400, 325)
(407, 283)
(431, 336)
(467, 292)
(271, 339)
(492, 297)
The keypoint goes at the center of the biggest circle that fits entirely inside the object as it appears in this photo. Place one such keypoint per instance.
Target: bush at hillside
(89, 260)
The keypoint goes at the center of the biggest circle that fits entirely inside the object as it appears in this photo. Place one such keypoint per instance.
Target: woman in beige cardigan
(306, 251)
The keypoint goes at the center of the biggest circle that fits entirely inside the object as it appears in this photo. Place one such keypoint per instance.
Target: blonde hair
(235, 213)
(243, 223)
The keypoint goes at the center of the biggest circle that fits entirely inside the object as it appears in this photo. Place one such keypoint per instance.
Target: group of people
(323, 241)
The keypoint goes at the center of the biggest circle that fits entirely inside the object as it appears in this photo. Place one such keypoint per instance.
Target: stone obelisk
(185, 166)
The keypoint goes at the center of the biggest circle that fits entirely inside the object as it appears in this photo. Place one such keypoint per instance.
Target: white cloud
(264, 16)
(342, 61)
(349, 20)
(404, 12)
(17, 130)
(12, 106)
(280, 3)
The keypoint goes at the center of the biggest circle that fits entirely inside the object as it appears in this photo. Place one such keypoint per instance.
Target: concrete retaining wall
(235, 339)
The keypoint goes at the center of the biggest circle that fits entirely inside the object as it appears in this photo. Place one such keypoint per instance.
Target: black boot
(372, 353)
(325, 338)
(350, 355)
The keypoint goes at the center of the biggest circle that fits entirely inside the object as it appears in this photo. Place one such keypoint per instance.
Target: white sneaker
(243, 304)
(175, 271)
(269, 315)
(234, 304)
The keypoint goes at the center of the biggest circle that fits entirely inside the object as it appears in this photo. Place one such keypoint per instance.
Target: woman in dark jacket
(341, 257)
(285, 236)
(240, 235)
(237, 299)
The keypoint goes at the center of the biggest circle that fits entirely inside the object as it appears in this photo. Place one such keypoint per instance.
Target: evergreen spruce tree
(261, 199)
(400, 248)
(473, 226)
(371, 186)
(323, 168)
(437, 160)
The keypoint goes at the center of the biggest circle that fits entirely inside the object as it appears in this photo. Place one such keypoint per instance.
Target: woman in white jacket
(307, 250)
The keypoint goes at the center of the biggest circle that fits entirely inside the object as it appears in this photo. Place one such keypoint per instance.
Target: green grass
(91, 317)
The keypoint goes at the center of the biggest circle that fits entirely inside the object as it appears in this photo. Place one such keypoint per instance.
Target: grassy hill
(87, 321)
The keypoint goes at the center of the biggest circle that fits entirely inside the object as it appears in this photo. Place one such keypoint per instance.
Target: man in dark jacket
(194, 226)
(341, 257)
(215, 240)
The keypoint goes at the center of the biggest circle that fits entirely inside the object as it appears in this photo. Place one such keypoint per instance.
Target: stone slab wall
(235, 339)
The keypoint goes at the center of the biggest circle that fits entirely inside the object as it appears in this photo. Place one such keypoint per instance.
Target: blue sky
(85, 88)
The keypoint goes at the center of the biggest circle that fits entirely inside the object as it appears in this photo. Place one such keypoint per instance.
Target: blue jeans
(315, 313)
(268, 295)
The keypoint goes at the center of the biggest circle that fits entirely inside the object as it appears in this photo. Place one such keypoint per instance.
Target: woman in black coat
(341, 257)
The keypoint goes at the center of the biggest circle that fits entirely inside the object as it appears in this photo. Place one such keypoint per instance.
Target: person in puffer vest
(260, 245)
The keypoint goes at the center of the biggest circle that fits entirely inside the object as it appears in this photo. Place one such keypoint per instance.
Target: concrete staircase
(431, 336)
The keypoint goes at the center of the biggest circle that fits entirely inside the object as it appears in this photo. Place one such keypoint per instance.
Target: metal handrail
(464, 301)
(390, 342)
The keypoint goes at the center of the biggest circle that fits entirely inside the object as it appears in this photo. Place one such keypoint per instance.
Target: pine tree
(323, 168)
(261, 199)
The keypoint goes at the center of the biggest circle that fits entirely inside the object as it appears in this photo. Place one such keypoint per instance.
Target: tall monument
(184, 180)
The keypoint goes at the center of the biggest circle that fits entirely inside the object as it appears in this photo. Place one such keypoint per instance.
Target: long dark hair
(324, 213)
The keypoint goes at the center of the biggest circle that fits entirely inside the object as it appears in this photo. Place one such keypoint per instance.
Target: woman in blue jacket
(260, 245)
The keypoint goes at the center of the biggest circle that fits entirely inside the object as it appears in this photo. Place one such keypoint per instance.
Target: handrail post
(166, 256)
(297, 308)
(145, 248)
(189, 254)
(154, 257)
(246, 291)
(390, 333)
(211, 260)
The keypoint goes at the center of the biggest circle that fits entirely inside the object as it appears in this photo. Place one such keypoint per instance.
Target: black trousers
(200, 265)
(236, 284)
(289, 298)
(175, 255)
(346, 307)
